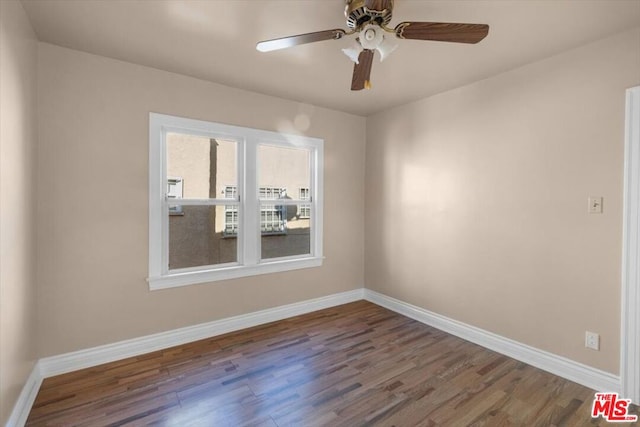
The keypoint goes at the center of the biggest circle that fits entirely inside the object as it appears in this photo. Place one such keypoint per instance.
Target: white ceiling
(215, 40)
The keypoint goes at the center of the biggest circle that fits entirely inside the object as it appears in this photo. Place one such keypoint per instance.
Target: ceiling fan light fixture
(371, 36)
(386, 48)
(353, 52)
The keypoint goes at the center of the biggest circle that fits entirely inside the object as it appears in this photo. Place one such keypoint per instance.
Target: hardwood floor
(356, 364)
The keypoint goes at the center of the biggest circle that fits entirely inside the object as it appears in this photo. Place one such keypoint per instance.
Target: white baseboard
(557, 365)
(56, 365)
(25, 401)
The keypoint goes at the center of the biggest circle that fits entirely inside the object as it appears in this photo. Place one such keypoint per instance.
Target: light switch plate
(595, 204)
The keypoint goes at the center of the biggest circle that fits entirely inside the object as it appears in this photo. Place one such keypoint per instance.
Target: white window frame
(249, 232)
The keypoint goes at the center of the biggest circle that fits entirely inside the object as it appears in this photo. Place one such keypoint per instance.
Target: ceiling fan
(369, 19)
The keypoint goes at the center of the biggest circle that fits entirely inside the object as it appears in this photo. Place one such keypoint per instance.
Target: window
(174, 191)
(231, 212)
(272, 217)
(305, 210)
(219, 206)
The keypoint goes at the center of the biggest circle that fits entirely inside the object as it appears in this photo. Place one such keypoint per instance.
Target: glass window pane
(203, 235)
(200, 167)
(282, 172)
(284, 231)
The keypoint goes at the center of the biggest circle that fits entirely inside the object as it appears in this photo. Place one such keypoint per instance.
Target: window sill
(174, 280)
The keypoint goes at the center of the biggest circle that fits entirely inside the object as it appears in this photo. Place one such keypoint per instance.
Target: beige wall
(476, 200)
(18, 114)
(93, 217)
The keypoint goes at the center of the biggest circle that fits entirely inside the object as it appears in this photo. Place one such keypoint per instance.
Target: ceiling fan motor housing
(360, 12)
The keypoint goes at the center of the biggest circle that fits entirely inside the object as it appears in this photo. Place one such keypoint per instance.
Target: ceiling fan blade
(442, 31)
(284, 42)
(362, 71)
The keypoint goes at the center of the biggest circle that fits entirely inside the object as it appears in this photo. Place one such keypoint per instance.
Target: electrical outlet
(592, 340)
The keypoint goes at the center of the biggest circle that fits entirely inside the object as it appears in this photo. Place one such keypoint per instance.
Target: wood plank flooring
(352, 365)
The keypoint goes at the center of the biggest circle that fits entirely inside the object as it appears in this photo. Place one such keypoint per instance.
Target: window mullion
(249, 201)
(240, 196)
